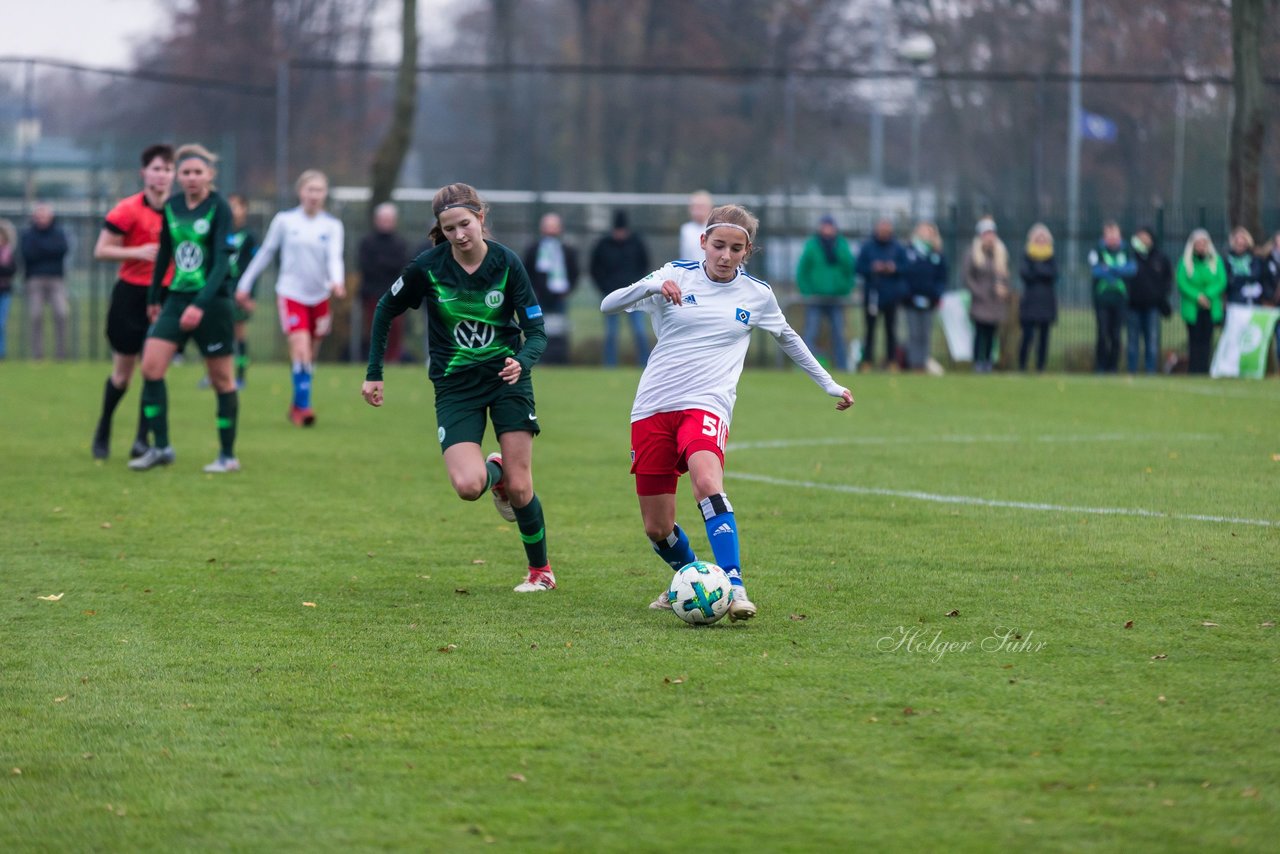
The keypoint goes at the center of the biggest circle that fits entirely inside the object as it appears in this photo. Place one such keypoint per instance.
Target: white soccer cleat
(152, 458)
(740, 607)
(499, 492)
(536, 581)
(222, 465)
(662, 603)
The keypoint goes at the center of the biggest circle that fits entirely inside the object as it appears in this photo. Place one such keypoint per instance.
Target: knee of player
(657, 530)
(468, 488)
(519, 489)
(706, 484)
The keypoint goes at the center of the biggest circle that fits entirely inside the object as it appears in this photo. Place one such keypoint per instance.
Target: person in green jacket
(1202, 280)
(825, 278)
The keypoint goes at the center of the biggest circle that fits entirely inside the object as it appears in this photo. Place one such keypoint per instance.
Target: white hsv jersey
(310, 250)
(702, 343)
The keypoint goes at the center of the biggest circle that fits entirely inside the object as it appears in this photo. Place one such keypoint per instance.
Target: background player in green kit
(478, 301)
(241, 244)
(199, 306)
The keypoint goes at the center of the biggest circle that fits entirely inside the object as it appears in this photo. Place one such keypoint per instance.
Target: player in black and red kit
(131, 235)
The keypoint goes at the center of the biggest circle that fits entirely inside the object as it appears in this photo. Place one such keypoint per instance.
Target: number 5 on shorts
(714, 427)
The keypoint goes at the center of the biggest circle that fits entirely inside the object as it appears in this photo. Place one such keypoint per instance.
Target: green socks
(533, 532)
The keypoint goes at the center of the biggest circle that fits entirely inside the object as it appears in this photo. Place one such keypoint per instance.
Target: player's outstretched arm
(623, 298)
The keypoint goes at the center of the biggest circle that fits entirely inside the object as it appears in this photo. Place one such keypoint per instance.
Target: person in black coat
(619, 259)
(383, 255)
(553, 270)
(1149, 291)
(1038, 309)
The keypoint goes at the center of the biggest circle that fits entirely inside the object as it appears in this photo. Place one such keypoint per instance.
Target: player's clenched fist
(372, 393)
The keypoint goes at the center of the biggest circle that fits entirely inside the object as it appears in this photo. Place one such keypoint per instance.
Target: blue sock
(722, 531)
(301, 385)
(675, 549)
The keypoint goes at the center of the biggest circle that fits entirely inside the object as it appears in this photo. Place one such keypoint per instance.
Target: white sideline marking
(970, 440)
(991, 502)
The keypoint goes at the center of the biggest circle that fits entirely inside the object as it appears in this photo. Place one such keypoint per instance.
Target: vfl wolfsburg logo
(472, 335)
(189, 256)
(493, 299)
(200, 226)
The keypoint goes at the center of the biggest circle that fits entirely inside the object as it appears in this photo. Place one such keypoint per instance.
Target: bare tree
(390, 156)
(1248, 115)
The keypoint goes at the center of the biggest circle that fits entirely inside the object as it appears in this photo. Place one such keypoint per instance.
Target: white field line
(971, 440)
(972, 501)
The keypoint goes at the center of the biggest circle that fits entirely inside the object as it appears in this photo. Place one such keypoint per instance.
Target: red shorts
(662, 444)
(296, 317)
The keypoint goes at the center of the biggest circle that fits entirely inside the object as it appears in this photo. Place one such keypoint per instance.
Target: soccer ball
(700, 593)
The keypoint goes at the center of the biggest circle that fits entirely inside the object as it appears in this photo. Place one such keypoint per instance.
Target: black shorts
(463, 402)
(127, 318)
(215, 336)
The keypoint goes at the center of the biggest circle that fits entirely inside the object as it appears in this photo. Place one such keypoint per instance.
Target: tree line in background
(717, 107)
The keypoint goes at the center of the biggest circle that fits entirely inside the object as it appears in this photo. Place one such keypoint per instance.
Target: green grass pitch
(995, 613)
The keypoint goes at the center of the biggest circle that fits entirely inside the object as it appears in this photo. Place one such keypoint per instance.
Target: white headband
(712, 225)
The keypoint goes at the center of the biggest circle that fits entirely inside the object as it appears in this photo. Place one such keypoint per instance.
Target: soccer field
(995, 612)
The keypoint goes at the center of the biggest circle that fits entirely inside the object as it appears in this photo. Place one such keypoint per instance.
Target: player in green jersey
(198, 305)
(242, 244)
(480, 305)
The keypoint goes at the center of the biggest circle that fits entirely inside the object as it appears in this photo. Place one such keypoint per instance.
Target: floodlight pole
(1073, 142)
(282, 132)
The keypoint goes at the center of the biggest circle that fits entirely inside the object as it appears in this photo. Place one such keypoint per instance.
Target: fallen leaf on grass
(533, 646)
(1208, 624)
(667, 680)
(461, 591)
(369, 554)
(89, 613)
(1249, 793)
(106, 524)
(1160, 699)
(1269, 624)
(1160, 657)
(798, 617)
(518, 778)
(908, 712)
(308, 604)
(86, 756)
(477, 563)
(450, 648)
(1128, 624)
(61, 699)
(212, 560)
(952, 613)
(17, 772)
(54, 598)
(1275, 458)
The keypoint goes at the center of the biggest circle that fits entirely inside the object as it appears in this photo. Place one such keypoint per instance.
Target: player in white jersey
(309, 242)
(703, 314)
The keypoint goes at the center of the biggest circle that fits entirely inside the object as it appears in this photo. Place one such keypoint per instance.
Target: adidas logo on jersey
(690, 299)
(723, 529)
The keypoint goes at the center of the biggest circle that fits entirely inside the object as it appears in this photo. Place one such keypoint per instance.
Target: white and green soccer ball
(700, 593)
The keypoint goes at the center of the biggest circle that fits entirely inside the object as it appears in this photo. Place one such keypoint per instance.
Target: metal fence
(786, 222)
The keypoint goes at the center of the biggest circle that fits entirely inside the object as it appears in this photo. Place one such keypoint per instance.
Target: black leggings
(890, 315)
(1029, 331)
(1200, 342)
(984, 337)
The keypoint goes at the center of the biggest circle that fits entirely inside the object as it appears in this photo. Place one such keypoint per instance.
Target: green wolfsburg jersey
(195, 240)
(472, 318)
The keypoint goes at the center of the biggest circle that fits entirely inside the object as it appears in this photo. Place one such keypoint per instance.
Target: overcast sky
(105, 32)
(95, 32)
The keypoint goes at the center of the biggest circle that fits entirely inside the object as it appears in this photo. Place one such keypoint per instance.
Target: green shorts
(215, 336)
(239, 315)
(462, 401)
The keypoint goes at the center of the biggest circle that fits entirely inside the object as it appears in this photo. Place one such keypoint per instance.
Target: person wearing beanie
(986, 277)
(824, 277)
